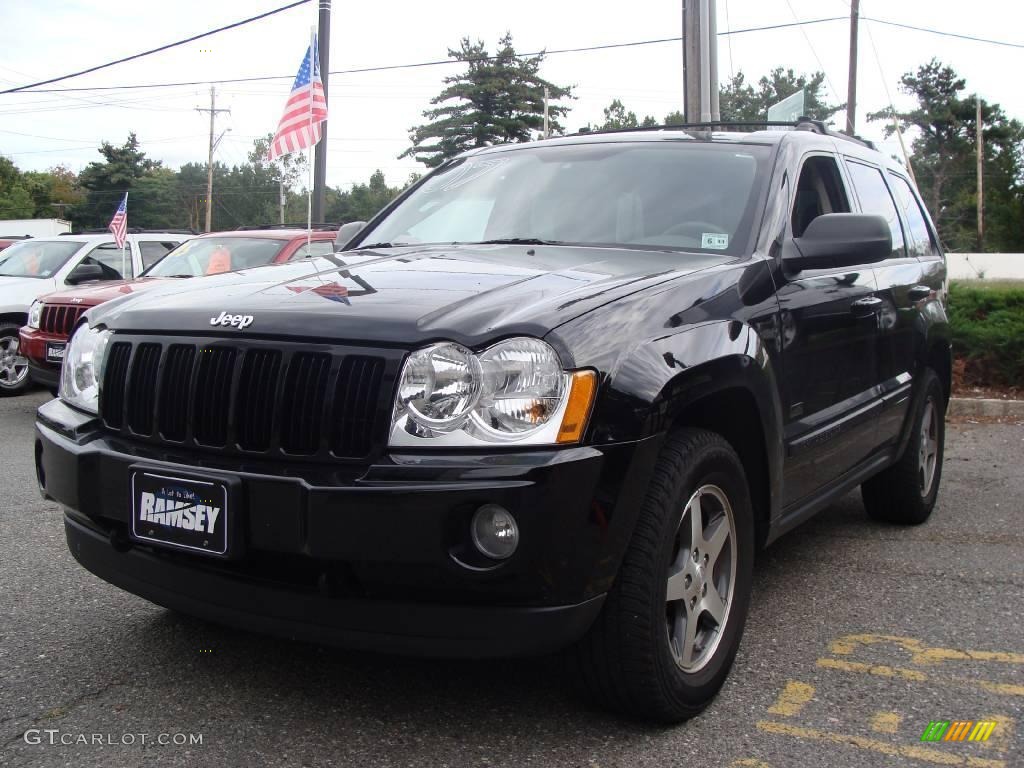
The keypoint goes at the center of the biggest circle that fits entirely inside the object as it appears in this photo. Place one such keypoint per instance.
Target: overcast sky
(372, 112)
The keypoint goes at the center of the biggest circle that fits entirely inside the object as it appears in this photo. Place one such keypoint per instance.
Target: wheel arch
(20, 318)
(716, 376)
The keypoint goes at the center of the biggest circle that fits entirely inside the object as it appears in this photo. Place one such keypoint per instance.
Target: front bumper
(32, 345)
(371, 558)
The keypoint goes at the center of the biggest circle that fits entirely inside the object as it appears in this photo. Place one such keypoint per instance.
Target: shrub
(987, 320)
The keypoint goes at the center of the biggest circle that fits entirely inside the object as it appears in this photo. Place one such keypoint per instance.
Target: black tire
(9, 388)
(897, 494)
(625, 662)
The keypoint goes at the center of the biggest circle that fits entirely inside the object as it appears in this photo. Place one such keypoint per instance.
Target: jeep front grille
(59, 319)
(251, 398)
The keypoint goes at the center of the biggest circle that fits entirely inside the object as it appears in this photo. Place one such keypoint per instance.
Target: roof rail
(15, 237)
(800, 124)
(319, 227)
(135, 231)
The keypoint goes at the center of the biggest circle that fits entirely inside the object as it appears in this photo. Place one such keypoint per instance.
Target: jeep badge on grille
(236, 321)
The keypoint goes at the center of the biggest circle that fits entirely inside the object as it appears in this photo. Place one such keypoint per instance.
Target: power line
(434, 63)
(972, 38)
(157, 50)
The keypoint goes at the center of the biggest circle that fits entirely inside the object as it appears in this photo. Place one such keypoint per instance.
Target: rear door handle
(866, 307)
(919, 292)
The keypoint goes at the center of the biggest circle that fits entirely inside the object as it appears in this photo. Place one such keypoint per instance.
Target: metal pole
(713, 56)
(209, 160)
(980, 136)
(705, 62)
(691, 61)
(547, 123)
(851, 84)
(281, 199)
(320, 164)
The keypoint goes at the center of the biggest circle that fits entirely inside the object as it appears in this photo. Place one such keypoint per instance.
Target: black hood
(406, 296)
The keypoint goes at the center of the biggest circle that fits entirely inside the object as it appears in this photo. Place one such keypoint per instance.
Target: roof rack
(800, 124)
(15, 237)
(319, 227)
(135, 231)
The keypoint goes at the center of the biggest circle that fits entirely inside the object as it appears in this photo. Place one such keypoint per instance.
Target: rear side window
(919, 235)
(875, 198)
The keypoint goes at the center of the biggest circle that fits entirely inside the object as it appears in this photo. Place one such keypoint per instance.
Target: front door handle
(919, 292)
(866, 307)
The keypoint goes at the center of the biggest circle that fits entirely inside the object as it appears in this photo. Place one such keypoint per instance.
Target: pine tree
(497, 99)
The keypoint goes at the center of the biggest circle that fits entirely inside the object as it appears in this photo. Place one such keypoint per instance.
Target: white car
(42, 265)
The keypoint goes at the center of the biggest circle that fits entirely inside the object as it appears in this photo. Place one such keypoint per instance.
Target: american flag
(119, 224)
(306, 109)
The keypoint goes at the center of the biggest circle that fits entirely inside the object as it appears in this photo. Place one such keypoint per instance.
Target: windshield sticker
(714, 241)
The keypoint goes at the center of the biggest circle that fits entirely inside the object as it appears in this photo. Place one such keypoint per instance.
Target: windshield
(36, 258)
(213, 255)
(677, 195)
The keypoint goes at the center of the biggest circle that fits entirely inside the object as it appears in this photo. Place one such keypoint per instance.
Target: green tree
(497, 99)
(15, 199)
(617, 117)
(739, 100)
(107, 181)
(943, 154)
(361, 202)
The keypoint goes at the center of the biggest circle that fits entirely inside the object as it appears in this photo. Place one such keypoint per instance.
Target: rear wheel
(905, 493)
(13, 366)
(671, 625)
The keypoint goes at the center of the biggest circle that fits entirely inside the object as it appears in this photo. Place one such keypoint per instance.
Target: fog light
(495, 532)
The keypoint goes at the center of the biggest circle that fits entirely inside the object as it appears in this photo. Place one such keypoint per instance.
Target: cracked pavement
(830, 671)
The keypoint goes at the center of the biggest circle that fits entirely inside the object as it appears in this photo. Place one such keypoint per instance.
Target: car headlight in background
(514, 391)
(34, 313)
(83, 367)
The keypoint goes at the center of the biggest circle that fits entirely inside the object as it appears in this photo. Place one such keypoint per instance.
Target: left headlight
(34, 313)
(83, 368)
(514, 391)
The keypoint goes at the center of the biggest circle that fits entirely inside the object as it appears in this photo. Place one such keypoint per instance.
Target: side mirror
(83, 273)
(346, 233)
(841, 240)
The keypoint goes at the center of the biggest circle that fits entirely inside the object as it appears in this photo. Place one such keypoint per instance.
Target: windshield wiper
(519, 241)
(379, 245)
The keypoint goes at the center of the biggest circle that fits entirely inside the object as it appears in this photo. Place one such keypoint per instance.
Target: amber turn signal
(577, 411)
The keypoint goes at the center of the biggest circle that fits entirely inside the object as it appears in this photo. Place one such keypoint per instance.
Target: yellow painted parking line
(880, 670)
(749, 762)
(793, 698)
(885, 722)
(914, 752)
(920, 653)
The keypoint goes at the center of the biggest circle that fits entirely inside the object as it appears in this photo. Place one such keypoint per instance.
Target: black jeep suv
(554, 396)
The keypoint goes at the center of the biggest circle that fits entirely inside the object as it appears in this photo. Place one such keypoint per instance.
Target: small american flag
(306, 109)
(119, 224)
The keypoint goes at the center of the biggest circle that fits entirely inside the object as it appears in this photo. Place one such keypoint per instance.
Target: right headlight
(82, 370)
(34, 313)
(514, 391)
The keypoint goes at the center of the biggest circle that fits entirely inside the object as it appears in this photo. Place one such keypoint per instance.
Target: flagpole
(125, 242)
(309, 149)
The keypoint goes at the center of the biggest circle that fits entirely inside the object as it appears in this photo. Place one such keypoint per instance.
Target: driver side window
(819, 190)
(108, 256)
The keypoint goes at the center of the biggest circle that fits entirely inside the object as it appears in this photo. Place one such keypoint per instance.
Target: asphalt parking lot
(860, 634)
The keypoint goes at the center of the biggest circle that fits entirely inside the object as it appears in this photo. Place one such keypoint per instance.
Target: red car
(52, 318)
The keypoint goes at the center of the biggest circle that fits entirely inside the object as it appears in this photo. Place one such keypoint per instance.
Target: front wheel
(13, 365)
(671, 625)
(905, 493)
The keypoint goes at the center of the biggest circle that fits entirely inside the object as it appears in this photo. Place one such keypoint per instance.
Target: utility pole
(547, 122)
(320, 158)
(981, 172)
(700, 62)
(209, 157)
(851, 84)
